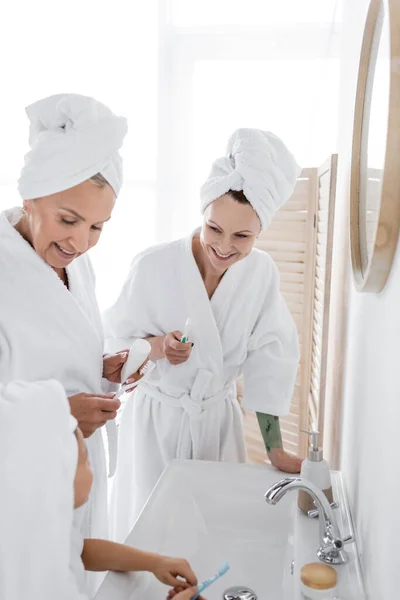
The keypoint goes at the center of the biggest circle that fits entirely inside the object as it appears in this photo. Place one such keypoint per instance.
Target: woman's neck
(209, 275)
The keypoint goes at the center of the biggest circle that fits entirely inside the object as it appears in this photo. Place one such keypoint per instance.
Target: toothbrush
(138, 353)
(185, 337)
(148, 368)
(224, 568)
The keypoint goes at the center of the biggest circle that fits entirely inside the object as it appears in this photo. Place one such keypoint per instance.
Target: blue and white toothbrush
(224, 568)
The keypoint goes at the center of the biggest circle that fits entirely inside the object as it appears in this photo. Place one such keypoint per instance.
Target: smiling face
(65, 225)
(229, 231)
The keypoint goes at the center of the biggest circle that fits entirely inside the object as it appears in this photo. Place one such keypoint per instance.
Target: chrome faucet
(331, 543)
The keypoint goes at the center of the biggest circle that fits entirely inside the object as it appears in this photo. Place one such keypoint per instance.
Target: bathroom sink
(210, 513)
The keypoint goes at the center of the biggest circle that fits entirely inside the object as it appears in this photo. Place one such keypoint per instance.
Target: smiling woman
(230, 230)
(188, 408)
(62, 226)
(69, 184)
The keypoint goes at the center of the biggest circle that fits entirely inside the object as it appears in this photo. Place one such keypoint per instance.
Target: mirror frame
(387, 231)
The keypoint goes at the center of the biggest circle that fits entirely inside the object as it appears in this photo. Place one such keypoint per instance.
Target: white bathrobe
(38, 461)
(48, 331)
(191, 411)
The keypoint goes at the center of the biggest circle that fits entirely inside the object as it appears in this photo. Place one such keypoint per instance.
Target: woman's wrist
(157, 347)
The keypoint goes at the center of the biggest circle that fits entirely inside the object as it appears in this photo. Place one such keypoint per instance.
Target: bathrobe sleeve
(130, 317)
(273, 354)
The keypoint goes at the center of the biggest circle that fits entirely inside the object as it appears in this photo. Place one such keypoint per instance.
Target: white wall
(370, 448)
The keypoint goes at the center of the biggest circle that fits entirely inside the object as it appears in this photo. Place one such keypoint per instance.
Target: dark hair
(99, 180)
(239, 196)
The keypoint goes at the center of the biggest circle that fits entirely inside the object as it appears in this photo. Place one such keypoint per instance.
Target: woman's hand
(180, 594)
(167, 570)
(112, 365)
(93, 410)
(175, 351)
(283, 461)
(135, 377)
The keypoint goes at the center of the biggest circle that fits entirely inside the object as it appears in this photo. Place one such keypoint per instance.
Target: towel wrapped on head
(259, 164)
(72, 138)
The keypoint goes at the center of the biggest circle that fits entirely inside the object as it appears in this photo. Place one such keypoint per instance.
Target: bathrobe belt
(194, 403)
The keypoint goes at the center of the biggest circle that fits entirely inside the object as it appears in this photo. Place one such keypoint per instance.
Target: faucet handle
(340, 543)
(348, 539)
(313, 513)
(333, 554)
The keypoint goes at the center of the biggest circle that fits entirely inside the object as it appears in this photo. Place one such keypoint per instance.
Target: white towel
(72, 138)
(259, 164)
(38, 460)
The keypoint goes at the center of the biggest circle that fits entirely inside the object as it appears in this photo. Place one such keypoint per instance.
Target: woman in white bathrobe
(50, 325)
(240, 323)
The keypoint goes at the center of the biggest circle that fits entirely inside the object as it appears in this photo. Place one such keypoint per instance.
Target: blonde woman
(50, 326)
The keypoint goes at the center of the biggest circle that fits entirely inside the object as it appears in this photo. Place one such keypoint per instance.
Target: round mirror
(373, 137)
(375, 178)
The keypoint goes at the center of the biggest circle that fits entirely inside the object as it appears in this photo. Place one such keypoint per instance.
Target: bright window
(254, 13)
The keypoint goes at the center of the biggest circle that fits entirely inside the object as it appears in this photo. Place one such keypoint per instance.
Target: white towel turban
(259, 164)
(72, 138)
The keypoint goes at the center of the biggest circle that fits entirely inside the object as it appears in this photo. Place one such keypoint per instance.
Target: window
(216, 75)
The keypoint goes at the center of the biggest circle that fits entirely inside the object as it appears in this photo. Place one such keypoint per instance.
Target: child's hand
(168, 569)
(180, 594)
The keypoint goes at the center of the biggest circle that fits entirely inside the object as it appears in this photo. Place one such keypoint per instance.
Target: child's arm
(102, 555)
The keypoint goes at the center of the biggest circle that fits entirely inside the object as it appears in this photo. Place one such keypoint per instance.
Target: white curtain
(186, 73)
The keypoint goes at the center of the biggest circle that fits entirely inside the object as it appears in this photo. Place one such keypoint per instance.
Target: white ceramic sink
(210, 513)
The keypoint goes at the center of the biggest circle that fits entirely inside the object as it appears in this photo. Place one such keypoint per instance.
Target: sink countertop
(209, 512)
